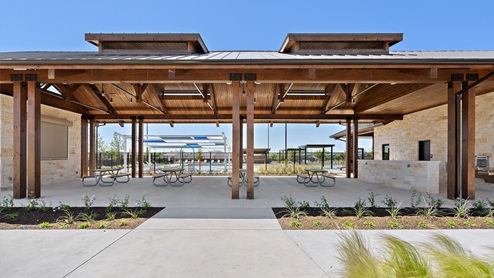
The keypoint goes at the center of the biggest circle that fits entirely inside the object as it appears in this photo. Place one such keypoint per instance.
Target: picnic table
(315, 176)
(172, 176)
(243, 178)
(105, 177)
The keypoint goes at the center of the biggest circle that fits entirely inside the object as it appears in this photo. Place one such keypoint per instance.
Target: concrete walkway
(201, 233)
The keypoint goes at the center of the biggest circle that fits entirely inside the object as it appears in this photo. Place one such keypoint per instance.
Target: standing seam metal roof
(244, 56)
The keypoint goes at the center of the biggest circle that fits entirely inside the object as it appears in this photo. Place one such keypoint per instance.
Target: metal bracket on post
(31, 77)
(457, 77)
(250, 77)
(472, 77)
(16, 77)
(235, 76)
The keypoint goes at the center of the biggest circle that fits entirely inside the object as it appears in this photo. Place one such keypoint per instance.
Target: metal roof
(244, 57)
(364, 129)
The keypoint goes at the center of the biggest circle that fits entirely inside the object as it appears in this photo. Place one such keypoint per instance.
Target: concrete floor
(201, 233)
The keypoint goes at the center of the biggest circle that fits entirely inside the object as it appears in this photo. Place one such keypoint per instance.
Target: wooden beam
(452, 184)
(133, 138)
(235, 138)
(250, 139)
(213, 100)
(348, 165)
(278, 89)
(154, 98)
(266, 117)
(141, 146)
(20, 155)
(103, 101)
(468, 145)
(34, 141)
(355, 148)
(331, 91)
(84, 147)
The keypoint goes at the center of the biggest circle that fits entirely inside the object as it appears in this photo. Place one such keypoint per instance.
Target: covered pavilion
(174, 78)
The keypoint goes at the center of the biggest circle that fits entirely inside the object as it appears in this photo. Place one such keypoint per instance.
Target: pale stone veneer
(421, 176)
(54, 171)
(431, 124)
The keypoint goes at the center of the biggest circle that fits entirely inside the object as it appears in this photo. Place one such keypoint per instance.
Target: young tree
(102, 148)
(116, 145)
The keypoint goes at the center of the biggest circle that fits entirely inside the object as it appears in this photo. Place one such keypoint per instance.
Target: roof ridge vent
(339, 43)
(163, 43)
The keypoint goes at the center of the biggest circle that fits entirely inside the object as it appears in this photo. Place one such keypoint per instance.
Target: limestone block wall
(431, 124)
(423, 176)
(53, 171)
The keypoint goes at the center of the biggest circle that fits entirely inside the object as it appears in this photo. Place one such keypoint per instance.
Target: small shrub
(369, 224)
(423, 225)
(372, 199)
(88, 202)
(318, 224)
(7, 202)
(84, 225)
(461, 209)
(415, 198)
(389, 202)
(469, 224)
(124, 204)
(436, 202)
(349, 225)
(452, 225)
(133, 213)
(45, 225)
(481, 207)
(113, 203)
(143, 203)
(294, 223)
(489, 222)
(31, 205)
(63, 206)
(394, 211)
(63, 226)
(294, 209)
(360, 209)
(110, 216)
(86, 216)
(122, 223)
(325, 209)
(429, 210)
(12, 215)
(103, 225)
(394, 224)
(68, 218)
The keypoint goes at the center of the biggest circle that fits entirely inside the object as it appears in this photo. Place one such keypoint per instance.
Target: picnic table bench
(314, 177)
(172, 176)
(105, 177)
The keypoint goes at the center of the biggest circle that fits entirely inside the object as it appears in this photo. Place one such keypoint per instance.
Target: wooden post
(235, 138)
(19, 167)
(241, 142)
(452, 184)
(141, 146)
(250, 139)
(133, 146)
(348, 146)
(355, 148)
(34, 142)
(84, 147)
(468, 145)
(92, 144)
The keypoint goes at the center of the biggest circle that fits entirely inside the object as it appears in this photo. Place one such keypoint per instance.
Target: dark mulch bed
(15, 218)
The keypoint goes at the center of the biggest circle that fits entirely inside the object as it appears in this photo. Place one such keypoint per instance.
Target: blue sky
(246, 25)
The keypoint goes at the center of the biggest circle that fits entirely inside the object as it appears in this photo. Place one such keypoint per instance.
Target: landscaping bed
(96, 218)
(465, 215)
(380, 220)
(37, 215)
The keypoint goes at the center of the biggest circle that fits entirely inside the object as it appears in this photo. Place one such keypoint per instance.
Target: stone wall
(53, 171)
(431, 124)
(421, 176)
